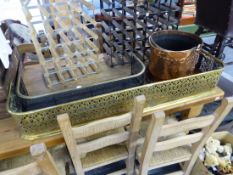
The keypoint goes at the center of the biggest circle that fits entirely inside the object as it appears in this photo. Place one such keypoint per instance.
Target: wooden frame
(153, 153)
(68, 39)
(80, 152)
(43, 163)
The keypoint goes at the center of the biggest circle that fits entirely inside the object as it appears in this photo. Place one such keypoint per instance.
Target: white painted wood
(5, 50)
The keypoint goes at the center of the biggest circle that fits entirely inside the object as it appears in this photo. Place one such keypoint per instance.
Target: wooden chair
(112, 147)
(175, 147)
(44, 163)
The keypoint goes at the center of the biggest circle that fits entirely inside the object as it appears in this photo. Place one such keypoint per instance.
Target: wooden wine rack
(66, 51)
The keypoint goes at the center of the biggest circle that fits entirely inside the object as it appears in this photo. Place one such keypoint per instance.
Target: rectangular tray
(42, 122)
(134, 77)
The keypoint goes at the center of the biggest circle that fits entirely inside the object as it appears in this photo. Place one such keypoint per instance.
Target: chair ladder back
(66, 129)
(96, 127)
(221, 112)
(151, 138)
(43, 163)
(181, 127)
(186, 125)
(101, 126)
(156, 129)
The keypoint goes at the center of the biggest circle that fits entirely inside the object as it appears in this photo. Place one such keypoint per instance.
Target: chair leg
(139, 103)
(152, 136)
(44, 159)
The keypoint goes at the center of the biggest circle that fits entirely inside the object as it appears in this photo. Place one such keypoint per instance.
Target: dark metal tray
(31, 102)
(42, 122)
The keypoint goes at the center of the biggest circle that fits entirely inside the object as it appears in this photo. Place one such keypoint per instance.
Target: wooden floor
(12, 145)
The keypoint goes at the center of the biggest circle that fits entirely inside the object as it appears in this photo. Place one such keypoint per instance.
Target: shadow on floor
(120, 165)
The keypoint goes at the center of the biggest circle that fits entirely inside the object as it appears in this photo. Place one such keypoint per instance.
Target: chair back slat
(178, 141)
(103, 133)
(103, 142)
(30, 169)
(101, 126)
(186, 125)
(172, 137)
(183, 126)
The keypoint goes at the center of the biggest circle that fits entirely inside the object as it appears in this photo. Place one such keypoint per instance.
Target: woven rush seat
(168, 157)
(104, 156)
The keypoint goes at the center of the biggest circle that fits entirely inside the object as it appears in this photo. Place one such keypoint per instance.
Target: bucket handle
(150, 40)
(198, 49)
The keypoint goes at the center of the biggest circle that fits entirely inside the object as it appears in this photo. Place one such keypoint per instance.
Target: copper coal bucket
(173, 54)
